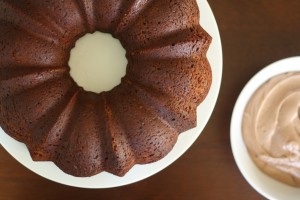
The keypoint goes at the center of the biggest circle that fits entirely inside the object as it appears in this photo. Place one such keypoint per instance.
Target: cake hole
(98, 62)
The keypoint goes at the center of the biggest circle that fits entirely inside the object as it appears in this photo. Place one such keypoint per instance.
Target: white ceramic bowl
(262, 183)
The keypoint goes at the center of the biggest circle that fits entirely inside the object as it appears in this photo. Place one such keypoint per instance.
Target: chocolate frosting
(271, 128)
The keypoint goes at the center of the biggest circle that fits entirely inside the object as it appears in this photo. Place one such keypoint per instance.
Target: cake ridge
(48, 39)
(131, 15)
(45, 75)
(82, 144)
(208, 78)
(180, 36)
(53, 27)
(65, 17)
(131, 81)
(143, 127)
(35, 109)
(154, 23)
(7, 73)
(10, 12)
(168, 110)
(184, 48)
(40, 140)
(113, 148)
(147, 108)
(18, 49)
(7, 63)
(180, 75)
(141, 87)
(88, 13)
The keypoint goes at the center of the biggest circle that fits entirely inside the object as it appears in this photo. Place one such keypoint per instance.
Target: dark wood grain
(254, 34)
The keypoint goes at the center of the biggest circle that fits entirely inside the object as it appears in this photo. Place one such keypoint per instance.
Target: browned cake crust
(85, 133)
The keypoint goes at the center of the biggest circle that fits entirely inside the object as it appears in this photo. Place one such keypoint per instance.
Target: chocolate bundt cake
(85, 133)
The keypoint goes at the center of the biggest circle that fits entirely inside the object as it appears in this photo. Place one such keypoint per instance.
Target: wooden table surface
(254, 34)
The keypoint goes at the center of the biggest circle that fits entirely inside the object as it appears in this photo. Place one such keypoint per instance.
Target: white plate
(138, 172)
(265, 185)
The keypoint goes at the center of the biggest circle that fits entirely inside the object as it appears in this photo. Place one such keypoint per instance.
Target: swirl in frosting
(271, 128)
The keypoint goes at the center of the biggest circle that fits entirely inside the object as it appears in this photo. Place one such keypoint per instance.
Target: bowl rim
(291, 64)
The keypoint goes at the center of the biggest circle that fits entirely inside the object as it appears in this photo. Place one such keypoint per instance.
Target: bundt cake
(85, 133)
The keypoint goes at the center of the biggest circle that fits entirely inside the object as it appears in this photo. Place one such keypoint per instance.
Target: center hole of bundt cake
(98, 62)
